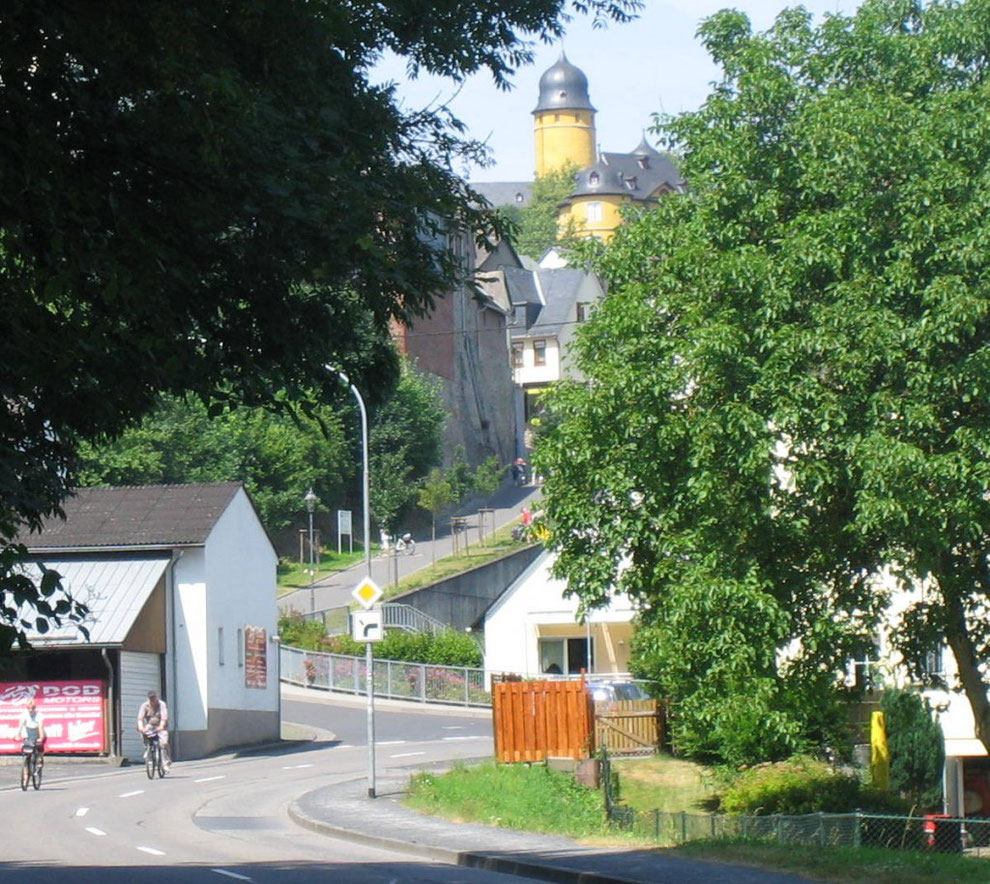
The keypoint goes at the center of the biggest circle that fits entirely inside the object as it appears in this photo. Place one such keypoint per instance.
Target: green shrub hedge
(803, 785)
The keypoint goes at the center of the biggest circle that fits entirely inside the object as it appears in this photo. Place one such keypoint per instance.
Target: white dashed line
(452, 727)
(151, 850)
(232, 875)
(391, 742)
(448, 739)
(131, 794)
(406, 754)
(82, 811)
(296, 766)
(93, 831)
(210, 779)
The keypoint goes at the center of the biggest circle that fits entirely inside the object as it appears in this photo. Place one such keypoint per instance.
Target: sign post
(367, 592)
(345, 526)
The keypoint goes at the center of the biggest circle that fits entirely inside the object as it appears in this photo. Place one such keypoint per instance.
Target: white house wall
(536, 605)
(189, 696)
(529, 373)
(241, 576)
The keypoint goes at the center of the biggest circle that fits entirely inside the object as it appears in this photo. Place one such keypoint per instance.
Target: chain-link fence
(923, 832)
(424, 682)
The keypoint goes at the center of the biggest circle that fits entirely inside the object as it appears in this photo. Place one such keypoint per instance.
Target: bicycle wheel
(25, 773)
(37, 765)
(149, 759)
(160, 760)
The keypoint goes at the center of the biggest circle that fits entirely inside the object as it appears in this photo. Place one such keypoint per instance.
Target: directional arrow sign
(366, 626)
(367, 592)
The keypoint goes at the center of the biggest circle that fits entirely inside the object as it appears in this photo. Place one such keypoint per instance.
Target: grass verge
(846, 865)
(665, 783)
(293, 575)
(535, 799)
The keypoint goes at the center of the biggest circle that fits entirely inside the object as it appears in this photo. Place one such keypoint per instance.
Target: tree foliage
(917, 748)
(278, 456)
(215, 199)
(537, 229)
(788, 382)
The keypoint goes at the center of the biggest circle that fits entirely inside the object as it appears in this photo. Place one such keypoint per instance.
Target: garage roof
(114, 589)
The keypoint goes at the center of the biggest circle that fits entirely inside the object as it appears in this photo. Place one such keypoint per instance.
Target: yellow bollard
(879, 752)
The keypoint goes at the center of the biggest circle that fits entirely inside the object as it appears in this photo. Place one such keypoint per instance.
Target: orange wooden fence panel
(536, 719)
(628, 727)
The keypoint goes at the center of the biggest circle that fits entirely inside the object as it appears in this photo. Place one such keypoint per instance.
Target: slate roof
(505, 193)
(548, 296)
(638, 175)
(135, 517)
(563, 87)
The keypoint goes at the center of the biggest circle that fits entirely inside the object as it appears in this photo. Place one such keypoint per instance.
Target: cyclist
(31, 726)
(153, 716)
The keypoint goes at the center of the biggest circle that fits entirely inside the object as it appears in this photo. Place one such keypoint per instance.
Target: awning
(114, 590)
(965, 748)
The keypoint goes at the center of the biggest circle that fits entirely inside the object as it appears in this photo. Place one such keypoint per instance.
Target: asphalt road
(207, 821)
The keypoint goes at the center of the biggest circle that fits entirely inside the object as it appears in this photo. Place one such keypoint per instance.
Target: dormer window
(519, 197)
(630, 183)
(644, 162)
(593, 179)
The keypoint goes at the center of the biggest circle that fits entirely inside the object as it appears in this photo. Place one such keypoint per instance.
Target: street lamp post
(369, 660)
(310, 500)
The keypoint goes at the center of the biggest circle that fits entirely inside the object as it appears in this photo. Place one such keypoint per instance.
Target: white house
(180, 585)
(533, 629)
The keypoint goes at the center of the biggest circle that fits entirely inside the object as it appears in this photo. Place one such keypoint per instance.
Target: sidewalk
(335, 589)
(345, 811)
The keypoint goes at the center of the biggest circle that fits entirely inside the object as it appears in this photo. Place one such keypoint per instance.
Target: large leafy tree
(279, 457)
(212, 198)
(789, 383)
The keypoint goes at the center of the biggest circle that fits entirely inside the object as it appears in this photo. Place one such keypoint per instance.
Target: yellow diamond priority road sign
(367, 592)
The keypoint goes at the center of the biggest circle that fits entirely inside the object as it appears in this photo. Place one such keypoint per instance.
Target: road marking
(296, 766)
(93, 831)
(210, 779)
(446, 739)
(391, 742)
(151, 850)
(131, 794)
(406, 754)
(82, 811)
(452, 727)
(232, 875)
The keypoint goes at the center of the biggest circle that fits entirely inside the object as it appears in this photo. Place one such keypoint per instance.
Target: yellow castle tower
(563, 120)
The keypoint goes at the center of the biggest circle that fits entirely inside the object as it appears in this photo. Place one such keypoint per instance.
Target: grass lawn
(292, 574)
(665, 783)
(532, 798)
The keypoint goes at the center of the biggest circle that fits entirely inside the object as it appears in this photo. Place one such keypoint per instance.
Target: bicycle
(153, 760)
(405, 544)
(33, 764)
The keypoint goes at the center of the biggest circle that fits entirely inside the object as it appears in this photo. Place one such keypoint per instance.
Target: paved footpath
(346, 811)
(334, 590)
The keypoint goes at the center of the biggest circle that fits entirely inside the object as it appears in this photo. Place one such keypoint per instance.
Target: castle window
(594, 211)
(593, 179)
(519, 197)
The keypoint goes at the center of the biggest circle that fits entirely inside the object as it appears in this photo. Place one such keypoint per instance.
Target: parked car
(611, 691)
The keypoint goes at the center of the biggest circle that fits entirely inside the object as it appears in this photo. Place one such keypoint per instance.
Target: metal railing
(919, 832)
(400, 616)
(419, 682)
(336, 621)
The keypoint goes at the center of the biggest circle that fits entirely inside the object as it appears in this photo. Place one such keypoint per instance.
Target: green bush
(916, 745)
(297, 632)
(802, 785)
(448, 648)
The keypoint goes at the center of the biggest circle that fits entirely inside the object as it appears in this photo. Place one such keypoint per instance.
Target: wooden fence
(536, 719)
(628, 727)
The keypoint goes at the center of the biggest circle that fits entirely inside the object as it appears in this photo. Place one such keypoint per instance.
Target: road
(226, 818)
(335, 590)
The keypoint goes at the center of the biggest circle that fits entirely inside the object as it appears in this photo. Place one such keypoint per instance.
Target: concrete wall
(461, 601)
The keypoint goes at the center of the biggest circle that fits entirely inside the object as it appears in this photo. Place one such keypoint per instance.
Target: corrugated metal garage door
(139, 673)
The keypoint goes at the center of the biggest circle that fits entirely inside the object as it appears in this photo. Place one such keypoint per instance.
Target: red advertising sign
(72, 711)
(255, 657)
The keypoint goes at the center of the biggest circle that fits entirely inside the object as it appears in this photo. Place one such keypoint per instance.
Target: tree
(537, 228)
(788, 382)
(917, 748)
(435, 495)
(404, 444)
(216, 200)
(278, 456)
